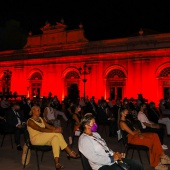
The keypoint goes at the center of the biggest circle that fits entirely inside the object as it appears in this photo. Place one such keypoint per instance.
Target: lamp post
(84, 71)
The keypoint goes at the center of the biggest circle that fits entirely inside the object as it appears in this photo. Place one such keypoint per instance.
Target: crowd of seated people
(95, 149)
(16, 113)
(137, 137)
(105, 113)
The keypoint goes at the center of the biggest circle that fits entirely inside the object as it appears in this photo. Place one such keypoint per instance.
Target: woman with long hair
(42, 133)
(76, 109)
(151, 140)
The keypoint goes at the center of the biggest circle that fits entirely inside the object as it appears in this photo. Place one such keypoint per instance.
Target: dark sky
(102, 20)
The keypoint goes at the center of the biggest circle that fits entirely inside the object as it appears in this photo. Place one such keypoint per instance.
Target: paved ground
(11, 158)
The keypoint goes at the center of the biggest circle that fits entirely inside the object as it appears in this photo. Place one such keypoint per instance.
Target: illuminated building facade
(120, 68)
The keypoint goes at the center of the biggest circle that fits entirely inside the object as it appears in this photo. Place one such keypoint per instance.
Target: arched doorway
(35, 84)
(115, 82)
(72, 84)
(6, 82)
(164, 80)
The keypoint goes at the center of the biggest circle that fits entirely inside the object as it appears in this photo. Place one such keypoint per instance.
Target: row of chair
(5, 131)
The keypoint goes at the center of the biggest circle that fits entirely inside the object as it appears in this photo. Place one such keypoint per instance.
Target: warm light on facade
(120, 68)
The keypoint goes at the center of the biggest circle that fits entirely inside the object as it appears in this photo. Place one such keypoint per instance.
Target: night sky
(101, 20)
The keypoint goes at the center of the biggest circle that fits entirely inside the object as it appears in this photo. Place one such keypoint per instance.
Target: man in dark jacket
(15, 121)
(104, 118)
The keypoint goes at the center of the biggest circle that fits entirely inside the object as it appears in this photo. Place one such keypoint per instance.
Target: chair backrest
(2, 122)
(85, 162)
(27, 137)
(5, 128)
(124, 137)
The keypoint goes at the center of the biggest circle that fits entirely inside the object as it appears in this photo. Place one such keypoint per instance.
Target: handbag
(119, 135)
(123, 165)
(77, 133)
(25, 150)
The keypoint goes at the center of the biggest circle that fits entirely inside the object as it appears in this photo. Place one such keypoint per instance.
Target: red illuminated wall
(53, 56)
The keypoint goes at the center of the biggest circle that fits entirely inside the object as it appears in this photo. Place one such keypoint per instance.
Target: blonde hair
(33, 108)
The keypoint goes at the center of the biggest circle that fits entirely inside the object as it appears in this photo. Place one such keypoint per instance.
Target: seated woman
(49, 115)
(95, 149)
(76, 116)
(151, 140)
(42, 133)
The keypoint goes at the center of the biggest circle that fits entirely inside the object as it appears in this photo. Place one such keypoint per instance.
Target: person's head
(162, 101)
(118, 102)
(152, 105)
(88, 123)
(131, 99)
(23, 98)
(48, 103)
(125, 101)
(104, 104)
(124, 112)
(35, 111)
(75, 108)
(99, 103)
(142, 106)
(4, 98)
(16, 107)
(92, 100)
(28, 100)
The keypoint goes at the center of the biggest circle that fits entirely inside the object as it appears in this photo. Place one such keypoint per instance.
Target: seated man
(162, 108)
(15, 121)
(156, 117)
(149, 126)
(95, 149)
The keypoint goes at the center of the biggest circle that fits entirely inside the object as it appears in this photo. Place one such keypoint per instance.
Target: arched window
(116, 72)
(36, 84)
(72, 84)
(165, 72)
(36, 76)
(115, 84)
(165, 82)
(72, 74)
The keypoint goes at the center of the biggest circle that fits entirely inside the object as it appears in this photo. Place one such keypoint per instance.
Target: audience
(106, 113)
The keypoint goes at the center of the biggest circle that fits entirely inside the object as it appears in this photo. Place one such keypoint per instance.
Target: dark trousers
(160, 132)
(112, 127)
(17, 135)
(134, 165)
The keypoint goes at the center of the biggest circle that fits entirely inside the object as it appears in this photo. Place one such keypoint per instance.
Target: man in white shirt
(149, 126)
